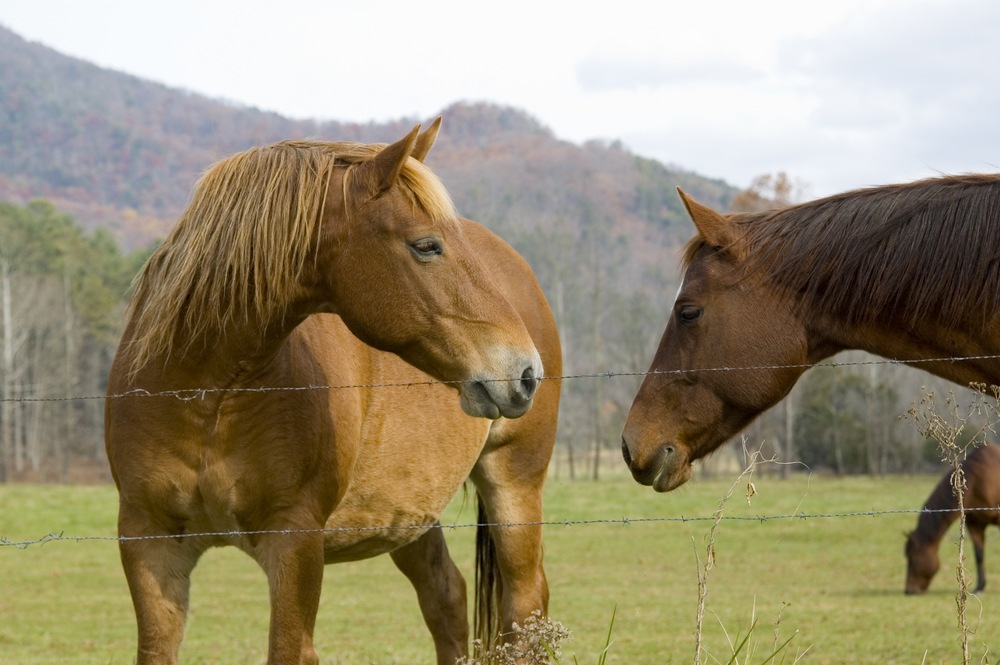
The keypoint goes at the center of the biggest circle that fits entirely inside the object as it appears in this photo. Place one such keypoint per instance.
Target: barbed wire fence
(190, 394)
(53, 537)
(195, 393)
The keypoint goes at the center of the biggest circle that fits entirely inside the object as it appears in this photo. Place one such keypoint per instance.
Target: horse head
(733, 347)
(922, 563)
(395, 265)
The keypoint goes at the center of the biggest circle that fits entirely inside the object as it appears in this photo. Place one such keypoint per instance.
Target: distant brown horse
(982, 482)
(909, 272)
(269, 391)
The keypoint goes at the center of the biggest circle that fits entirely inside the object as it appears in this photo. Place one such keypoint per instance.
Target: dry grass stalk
(951, 433)
(704, 568)
(538, 641)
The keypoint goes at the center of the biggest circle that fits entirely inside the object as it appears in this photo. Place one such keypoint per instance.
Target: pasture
(835, 583)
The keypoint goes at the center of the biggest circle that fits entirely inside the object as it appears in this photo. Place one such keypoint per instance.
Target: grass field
(834, 583)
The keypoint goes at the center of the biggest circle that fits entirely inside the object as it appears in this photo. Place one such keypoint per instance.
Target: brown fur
(909, 272)
(981, 499)
(342, 288)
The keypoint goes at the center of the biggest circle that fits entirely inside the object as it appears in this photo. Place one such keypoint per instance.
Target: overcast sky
(838, 94)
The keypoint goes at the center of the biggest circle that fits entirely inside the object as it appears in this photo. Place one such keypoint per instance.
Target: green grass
(837, 582)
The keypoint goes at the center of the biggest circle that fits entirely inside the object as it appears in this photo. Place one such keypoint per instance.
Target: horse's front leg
(512, 495)
(978, 534)
(158, 571)
(440, 591)
(293, 561)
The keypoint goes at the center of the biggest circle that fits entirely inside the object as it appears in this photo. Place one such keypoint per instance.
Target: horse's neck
(925, 343)
(938, 513)
(240, 354)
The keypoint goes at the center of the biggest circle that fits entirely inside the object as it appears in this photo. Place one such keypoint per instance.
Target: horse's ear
(717, 229)
(380, 172)
(426, 140)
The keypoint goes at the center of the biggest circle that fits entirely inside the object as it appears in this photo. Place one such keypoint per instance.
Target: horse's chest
(404, 477)
(256, 459)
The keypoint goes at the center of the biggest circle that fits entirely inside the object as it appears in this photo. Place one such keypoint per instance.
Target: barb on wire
(623, 521)
(189, 394)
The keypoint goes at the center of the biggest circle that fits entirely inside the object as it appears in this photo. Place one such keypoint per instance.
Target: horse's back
(983, 481)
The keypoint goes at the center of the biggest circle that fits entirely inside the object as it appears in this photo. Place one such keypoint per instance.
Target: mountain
(599, 225)
(121, 152)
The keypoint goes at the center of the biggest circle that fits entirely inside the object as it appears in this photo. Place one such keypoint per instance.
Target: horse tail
(486, 626)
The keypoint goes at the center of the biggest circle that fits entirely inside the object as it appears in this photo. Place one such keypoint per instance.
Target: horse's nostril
(528, 383)
(625, 454)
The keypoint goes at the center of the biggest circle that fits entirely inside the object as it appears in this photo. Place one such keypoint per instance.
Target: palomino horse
(982, 493)
(267, 391)
(909, 272)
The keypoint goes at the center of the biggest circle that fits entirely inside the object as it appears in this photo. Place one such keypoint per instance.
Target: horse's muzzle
(644, 475)
(667, 468)
(500, 398)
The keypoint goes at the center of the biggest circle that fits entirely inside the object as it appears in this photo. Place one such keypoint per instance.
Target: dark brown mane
(928, 248)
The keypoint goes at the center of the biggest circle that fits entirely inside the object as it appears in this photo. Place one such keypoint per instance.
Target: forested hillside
(95, 165)
(61, 300)
(599, 224)
(121, 152)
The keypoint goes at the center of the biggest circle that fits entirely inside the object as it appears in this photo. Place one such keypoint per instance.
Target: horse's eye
(689, 314)
(426, 248)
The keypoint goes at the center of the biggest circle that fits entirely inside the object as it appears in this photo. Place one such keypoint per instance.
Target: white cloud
(597, 75)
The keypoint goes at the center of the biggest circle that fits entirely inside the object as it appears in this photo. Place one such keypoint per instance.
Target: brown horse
(982, 493)
(909, 272)
(267, 391)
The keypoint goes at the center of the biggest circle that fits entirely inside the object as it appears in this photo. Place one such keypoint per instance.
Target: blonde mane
(241, 245)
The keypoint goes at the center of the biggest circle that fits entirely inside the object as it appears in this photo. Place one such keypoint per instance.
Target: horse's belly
(351, 539)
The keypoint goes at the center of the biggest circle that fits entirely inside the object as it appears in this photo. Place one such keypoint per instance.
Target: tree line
(63, 291)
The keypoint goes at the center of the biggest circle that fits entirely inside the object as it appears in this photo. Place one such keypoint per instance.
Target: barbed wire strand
(624, 521)
(190, 394)
(200, 393)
